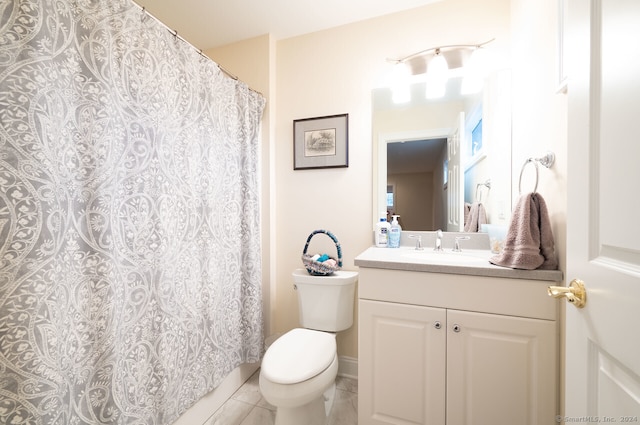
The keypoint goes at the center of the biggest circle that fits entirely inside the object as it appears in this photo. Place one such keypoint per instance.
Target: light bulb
(438, 68)
(475, 72)
(478, 62)
(400, 85)
(437, 76)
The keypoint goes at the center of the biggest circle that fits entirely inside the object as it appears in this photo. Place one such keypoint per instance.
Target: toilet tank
(326, 302)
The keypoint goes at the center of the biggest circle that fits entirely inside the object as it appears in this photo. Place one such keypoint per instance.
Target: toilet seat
(298, 355)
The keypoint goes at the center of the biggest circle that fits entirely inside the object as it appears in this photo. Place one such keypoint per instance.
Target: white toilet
(299, 369)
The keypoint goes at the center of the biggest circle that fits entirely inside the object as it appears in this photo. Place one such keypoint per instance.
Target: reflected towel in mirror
(474, 216)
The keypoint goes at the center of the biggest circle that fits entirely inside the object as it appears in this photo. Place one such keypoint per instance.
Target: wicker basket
(316, 268)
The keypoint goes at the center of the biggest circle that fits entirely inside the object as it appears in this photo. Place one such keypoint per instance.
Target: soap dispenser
(394, 232)
(382, 231)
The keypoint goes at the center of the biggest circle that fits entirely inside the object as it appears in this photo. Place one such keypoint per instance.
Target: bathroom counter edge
(370, 258)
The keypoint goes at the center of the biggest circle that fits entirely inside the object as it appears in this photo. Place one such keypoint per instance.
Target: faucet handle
(418, 239)
(439, 235)
(456, 246)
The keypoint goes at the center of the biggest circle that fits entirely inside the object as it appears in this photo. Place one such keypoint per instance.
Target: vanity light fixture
(440, 63)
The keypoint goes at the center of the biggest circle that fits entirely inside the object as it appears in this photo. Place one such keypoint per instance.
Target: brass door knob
(575, 293)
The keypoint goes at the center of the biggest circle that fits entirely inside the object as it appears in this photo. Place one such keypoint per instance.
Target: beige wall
(332, 72)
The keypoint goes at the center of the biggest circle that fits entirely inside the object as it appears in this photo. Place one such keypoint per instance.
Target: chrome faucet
(438, 246)
(418, 239)
(456, 245)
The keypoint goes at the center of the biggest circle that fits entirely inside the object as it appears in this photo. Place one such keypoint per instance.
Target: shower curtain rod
(175, 34)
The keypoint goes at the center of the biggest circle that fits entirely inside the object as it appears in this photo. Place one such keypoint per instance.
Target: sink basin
(449, 257)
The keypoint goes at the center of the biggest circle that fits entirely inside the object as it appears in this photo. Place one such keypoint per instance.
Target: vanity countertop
(473, 262)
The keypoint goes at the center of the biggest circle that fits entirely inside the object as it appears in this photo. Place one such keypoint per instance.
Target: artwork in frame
(321, 142)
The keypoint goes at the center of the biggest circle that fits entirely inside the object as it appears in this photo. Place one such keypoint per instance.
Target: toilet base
(329, 397)
(315, 412)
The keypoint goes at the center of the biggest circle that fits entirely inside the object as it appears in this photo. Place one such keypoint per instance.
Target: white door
(603, 228)
(455, 184)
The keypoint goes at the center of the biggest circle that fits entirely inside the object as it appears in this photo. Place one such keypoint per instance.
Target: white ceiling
(212, 23)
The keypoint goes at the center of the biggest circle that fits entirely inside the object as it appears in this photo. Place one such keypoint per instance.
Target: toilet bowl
(299, 369)
(298, 376)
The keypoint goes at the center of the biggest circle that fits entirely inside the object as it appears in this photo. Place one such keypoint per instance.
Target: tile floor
(248, 407)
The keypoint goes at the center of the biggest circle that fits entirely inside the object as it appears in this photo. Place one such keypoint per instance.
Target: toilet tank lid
(340, 277)
(298, 355)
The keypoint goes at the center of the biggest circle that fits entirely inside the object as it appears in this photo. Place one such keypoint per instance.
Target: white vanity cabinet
(438, 348)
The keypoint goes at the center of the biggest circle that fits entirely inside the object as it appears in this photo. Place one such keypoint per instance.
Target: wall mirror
(416, 173)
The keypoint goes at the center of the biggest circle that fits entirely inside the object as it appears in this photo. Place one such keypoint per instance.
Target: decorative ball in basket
(319, 265)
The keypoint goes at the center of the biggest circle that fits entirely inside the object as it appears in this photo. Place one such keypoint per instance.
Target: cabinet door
(500, 370)
(401, 370)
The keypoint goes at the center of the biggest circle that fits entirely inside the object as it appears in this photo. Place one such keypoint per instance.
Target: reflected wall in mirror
(421, 175)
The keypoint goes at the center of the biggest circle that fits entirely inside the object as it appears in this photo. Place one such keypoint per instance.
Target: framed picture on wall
(321, 142)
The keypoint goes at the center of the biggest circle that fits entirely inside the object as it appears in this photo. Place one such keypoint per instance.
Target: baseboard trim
(348, 367)
(207, 405)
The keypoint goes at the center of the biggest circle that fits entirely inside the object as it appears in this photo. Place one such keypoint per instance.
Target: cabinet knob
(437, 325)
(456, 328)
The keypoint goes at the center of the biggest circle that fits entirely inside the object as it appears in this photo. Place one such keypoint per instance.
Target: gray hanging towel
(529, 244)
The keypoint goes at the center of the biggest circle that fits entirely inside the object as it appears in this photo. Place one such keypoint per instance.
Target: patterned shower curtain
(129, 217)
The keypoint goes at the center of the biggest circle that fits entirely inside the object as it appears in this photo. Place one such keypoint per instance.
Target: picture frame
(321, 142)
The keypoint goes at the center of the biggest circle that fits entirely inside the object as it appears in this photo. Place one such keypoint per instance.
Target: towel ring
(535, 187)
(486, 184)
(547, 161)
